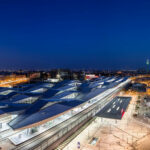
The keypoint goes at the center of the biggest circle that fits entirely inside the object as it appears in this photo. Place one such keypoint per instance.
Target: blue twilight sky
(98, 34)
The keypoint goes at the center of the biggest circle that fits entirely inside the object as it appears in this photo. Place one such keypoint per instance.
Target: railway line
(48, 137)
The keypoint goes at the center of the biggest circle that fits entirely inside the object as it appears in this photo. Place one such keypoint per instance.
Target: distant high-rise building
(147, 63)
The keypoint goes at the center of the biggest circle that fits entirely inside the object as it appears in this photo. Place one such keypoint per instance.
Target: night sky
(84, 34)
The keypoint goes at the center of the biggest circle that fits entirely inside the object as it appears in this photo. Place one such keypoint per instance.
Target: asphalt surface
(115, 109)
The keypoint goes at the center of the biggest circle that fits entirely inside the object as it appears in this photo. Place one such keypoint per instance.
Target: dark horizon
(101, 35)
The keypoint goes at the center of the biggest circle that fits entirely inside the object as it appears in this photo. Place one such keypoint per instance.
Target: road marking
(117, 108)
(108, 110)
(114, 106)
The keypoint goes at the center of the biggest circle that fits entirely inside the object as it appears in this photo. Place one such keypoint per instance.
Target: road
(115, 109)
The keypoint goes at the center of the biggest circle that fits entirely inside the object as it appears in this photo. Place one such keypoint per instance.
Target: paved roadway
(116, 108)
